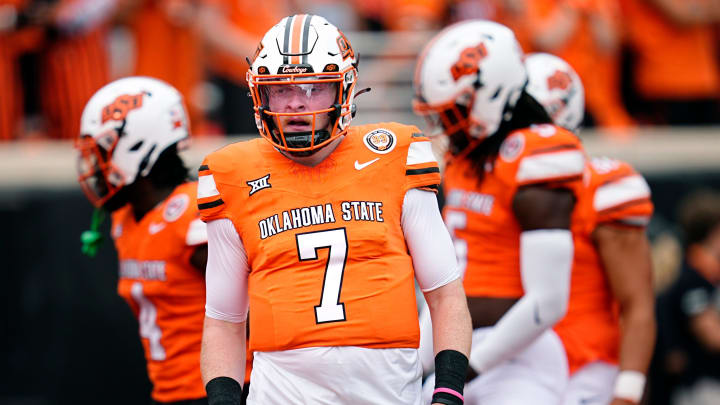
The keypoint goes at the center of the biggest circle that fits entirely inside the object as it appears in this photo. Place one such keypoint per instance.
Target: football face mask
(98, 177)
(301, 114)
(446, 119)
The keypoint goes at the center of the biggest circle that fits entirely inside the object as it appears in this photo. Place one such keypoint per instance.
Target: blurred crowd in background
(686, 365)
(643, 62)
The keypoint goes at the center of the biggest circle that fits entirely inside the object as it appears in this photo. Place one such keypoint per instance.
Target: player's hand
(620, 401)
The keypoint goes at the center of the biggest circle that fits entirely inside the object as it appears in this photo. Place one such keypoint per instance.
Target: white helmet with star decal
(555, 85)
(124, 128)
(469, 78)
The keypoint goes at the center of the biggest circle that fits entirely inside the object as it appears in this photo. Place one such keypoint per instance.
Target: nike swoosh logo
(360, 166)
(156, 227)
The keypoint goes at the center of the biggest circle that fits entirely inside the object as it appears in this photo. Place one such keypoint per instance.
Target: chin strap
(92, 238)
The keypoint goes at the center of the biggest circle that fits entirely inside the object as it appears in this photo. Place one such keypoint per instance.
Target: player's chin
(117, 201)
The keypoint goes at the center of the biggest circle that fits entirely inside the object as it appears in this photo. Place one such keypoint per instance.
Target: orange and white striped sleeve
(210, 203)
(551, 155)
(623, 197)
(421, 167)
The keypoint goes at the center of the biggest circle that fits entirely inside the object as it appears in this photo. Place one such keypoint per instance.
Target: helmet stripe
(286, 39)
(306, 31)
(297, 25)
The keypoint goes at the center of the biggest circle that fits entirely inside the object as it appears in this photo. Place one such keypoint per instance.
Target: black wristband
(223, 391)
(450, 371)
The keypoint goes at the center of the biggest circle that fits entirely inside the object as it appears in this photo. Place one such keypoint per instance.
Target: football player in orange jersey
(609, 331)
(511, 182)
(321, 228)
(128, 164)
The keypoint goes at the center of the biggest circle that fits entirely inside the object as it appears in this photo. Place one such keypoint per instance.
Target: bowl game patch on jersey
(175, 207)
(512, 147)
(380, 140)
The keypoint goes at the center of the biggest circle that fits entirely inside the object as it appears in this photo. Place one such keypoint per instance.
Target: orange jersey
(480, 216)
(164, 291)
(615, 193)
(326, 252)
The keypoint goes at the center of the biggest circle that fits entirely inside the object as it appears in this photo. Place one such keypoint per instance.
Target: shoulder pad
(545, 153)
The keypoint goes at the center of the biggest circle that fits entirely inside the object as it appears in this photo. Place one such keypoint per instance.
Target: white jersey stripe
(549, 166)
(420, 152)
(620, 192)
(207, 187)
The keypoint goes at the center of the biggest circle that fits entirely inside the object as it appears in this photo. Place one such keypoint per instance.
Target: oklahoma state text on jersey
(164, 291)
(328, 261)
(615, 194)
(479, 216)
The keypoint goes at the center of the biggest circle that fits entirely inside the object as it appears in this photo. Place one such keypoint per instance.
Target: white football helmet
(303, 56)
(124, 128)
(555, 85)
(469, 78)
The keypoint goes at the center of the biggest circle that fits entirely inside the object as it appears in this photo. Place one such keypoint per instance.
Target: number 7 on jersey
(330, 308)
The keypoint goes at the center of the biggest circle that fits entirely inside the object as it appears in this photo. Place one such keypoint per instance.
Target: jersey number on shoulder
(147, 320)
(330, 308)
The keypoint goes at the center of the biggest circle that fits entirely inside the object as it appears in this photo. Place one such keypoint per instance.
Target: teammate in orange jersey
(131, 131)
(511, 182)
(322, 228)
(609, 330)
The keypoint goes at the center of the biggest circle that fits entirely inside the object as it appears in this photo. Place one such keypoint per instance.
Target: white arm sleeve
(196, 233)
(428, 240)
(226, 274)
(546, 257)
